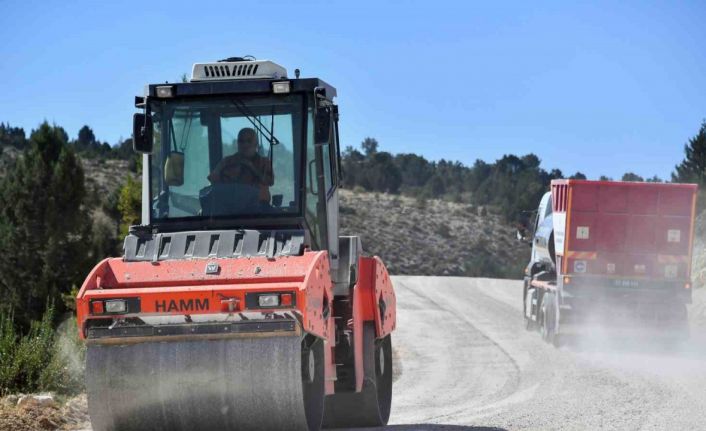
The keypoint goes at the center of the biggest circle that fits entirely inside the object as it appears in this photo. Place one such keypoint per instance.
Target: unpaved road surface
(467, 363)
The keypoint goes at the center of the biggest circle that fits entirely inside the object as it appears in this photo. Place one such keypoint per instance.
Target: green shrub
(42, 359)
(25, 357)
(64, 373)
(8, 345)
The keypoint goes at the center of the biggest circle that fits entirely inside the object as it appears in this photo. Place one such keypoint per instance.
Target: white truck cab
(543, 239)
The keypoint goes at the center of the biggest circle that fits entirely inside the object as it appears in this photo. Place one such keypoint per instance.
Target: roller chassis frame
(370, 303)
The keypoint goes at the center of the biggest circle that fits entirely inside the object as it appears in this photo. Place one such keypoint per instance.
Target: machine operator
(246, 166)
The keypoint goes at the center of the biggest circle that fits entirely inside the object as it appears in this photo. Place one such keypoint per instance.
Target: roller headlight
(266, 301)
(115, 306)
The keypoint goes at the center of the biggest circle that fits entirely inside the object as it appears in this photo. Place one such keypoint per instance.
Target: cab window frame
(235, 220)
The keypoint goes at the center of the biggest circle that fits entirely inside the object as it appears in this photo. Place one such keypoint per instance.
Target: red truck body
(625, 230)
(613, 253)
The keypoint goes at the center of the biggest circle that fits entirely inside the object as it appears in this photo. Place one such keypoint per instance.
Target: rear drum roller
(371, 406)
(274, 383)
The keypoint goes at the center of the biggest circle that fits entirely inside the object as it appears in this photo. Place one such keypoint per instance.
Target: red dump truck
(613, 253)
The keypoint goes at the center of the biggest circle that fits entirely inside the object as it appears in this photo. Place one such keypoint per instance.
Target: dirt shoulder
(32, 413)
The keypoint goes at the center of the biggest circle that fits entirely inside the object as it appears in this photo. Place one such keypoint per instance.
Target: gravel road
(465, 363)
(468, 364)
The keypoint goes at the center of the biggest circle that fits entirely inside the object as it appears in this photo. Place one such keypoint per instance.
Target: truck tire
(548, 318)
(530, 325)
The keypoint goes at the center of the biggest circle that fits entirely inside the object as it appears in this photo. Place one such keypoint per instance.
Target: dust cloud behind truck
(613, 253)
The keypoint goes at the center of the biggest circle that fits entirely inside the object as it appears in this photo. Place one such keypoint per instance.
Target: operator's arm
(268, 176)
(261, 171)
(216, 176)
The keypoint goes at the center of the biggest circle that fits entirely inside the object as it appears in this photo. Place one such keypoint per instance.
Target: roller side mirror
(322, 126)
(142, 133)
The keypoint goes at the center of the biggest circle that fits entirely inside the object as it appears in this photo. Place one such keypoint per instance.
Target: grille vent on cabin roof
(237, 70)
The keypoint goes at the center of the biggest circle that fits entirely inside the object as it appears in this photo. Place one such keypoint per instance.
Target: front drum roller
(273, 383)
(371, 406)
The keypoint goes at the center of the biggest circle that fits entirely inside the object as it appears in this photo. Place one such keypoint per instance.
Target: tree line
(53, 230)
(50, 232)
(511, 186)
(86, 145)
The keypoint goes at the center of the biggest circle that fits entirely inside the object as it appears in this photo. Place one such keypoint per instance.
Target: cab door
(322, 170)
(330, 165)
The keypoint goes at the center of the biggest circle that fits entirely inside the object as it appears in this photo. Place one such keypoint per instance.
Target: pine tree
(369, 146)
(693, 168)
(631, 176)
(12, 136)
(43, 226)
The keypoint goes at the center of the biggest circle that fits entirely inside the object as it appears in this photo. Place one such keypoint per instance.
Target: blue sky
(602, 88)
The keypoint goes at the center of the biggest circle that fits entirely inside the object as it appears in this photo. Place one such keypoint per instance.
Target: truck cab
(543, 255)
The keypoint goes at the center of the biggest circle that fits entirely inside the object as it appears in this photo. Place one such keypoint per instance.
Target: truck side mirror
(142, 133)
(322, 126)
(521, 235)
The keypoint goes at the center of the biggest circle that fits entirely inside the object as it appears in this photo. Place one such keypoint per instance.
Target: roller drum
(230, 384)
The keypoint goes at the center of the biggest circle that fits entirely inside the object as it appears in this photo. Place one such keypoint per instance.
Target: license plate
(626, 283)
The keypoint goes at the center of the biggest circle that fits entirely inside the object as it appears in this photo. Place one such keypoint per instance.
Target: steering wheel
(224, 199)
(253, 170)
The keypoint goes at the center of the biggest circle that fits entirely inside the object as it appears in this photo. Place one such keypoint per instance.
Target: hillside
(432, 237)
(102, 176)
(413, 236)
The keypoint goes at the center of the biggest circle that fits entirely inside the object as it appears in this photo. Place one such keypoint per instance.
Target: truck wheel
(548, 321)
(371, 406)
(530, 325)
